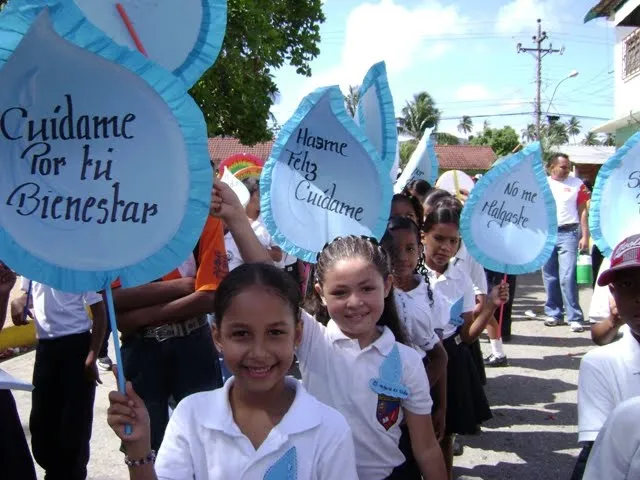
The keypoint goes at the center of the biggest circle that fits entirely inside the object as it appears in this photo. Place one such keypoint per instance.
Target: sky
(463, 53)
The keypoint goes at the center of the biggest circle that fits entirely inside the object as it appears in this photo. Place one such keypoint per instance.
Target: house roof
(586, 154)
(604, 8)
(451, 157)
(223, 147)
(465, 157)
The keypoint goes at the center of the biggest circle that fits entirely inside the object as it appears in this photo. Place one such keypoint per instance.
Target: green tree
(417, 115)
(555, 133)
(529, 133)
(443, 138)
(574, 128)
(406, 150)
(501, 140)
(466, 125)
(235, 95)
(351, 100)
(609, 140)
(590, 139)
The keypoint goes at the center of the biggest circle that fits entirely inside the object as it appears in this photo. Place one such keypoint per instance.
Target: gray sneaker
(553, 322)
(105, 364)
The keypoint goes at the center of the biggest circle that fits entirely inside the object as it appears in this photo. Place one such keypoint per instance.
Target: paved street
(533, 432)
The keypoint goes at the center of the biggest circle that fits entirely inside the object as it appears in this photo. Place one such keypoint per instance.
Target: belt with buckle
(567, 227)
(172, 330)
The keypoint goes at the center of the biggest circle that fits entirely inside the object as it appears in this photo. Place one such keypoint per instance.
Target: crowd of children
(386, 339)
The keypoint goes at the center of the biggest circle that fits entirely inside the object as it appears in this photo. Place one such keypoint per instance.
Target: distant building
(625, 14)
(470, 158)
(587, 160)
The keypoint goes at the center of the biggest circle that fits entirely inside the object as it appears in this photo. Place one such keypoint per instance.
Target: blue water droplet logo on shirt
(390, 381)
(455, 314)
(286, 468)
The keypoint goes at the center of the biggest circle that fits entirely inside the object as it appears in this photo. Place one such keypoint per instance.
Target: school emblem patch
(388, 411)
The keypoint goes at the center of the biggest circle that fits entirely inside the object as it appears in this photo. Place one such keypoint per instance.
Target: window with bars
(631, 55)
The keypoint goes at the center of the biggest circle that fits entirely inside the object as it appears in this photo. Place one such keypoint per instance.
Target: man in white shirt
(559, 273)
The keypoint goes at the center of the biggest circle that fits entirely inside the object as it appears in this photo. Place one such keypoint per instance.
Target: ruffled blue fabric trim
(605, 172)
(209, 43)
(485, 183)
(336, 100)
(376, 78)
(69, 22)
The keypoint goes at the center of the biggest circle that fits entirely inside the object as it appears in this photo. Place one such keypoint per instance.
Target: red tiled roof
(465, 157)
(223, 147)
(459, 157)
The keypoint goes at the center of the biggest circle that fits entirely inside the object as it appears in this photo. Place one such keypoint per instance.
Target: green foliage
(417, 115)
(501, 140)
(235, 95)
(609, 140)
(406, 150)
(590, 139)
(443, 138)
(466, 125)
(574, 128)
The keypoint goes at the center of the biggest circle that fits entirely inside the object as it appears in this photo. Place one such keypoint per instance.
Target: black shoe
(458, 448)
(493, 361)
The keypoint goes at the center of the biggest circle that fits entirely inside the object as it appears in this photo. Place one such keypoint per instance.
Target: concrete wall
(626, 90)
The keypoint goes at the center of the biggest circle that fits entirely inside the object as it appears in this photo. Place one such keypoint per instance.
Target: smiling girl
(359, 362)
(261, 424)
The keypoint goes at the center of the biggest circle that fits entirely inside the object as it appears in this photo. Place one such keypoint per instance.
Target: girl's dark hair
(252, 184)
(256, 274)
(421, 187)
(441, 214)
(404, 223)
(344, 248)
(452, 203)
(435, 196)
(413, 202)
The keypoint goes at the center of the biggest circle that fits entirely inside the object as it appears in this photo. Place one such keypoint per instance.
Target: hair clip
(371, 239)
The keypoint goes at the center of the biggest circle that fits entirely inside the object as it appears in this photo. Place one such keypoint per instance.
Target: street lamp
(573, 74)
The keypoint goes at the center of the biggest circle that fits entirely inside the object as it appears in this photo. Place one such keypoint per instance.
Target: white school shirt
(203, 442)
(421, 318)
(599, 310)
(337, 372)
(457, 289)
(464, 260)
(58, 314)
(616, 453)
(568, 194)
(608, 376)
(233, 253)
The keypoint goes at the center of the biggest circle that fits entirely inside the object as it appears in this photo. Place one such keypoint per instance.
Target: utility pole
(539, 53)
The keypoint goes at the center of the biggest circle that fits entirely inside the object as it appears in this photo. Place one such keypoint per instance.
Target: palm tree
(406, 150)
(556, 133)
(418, 115)
(351, 100)
(609, 140)
(574, 128)
(486, 125)
(590, 139)
(529, 133)
(466, 125)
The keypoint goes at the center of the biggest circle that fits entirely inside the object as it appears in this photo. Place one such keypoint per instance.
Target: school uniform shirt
(569, 194)
(456, 287)
(608, 376)
(465, 261)
(340, 374)
(202, 441)
(58, 314)
(422, 317)
(599, 309)
(616, 453)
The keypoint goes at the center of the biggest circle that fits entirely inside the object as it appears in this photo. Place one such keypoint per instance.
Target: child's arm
(437, 366)
(425, 447)
(98, 331)
(152, 293)
(7, 281)
(473, 328)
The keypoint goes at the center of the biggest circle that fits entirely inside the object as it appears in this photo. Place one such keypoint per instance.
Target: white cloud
(520, 15)
(401, 36)
(472, 92)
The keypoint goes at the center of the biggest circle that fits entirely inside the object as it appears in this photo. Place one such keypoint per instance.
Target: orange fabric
(213, 265)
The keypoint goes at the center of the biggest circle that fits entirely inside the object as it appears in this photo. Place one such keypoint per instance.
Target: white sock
(496, 348)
